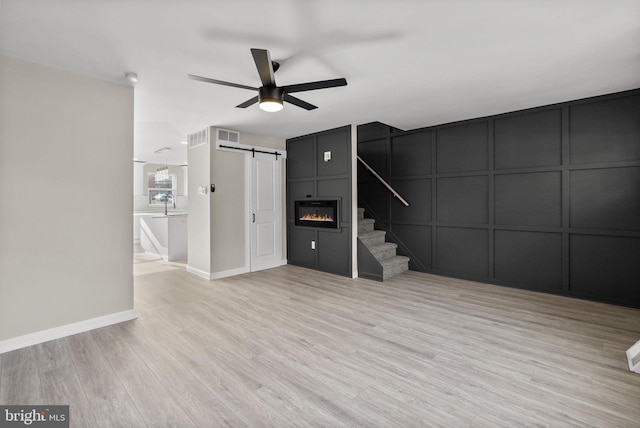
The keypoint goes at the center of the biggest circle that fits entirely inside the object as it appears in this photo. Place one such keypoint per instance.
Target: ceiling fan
(270, 96)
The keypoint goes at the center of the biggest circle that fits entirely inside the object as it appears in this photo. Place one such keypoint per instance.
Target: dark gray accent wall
(310, 177)
(546, 199)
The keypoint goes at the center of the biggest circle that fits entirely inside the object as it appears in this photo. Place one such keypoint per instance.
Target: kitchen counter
(163, 235)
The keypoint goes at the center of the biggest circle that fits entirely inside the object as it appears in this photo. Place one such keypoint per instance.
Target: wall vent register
(227, 136)
(198, 138)
(317, 213)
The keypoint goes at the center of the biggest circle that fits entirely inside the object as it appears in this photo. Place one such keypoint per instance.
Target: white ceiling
(409, 63)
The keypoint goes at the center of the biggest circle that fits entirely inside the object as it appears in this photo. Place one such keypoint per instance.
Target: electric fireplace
(317, 213)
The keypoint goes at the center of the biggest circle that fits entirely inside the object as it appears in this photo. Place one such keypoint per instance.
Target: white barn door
(266, 206)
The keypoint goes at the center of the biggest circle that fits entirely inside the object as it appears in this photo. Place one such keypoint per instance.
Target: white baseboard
(198, 272)
(633, 356)
(224, 273)
(65, 330)
(230, 272)
(217, 275)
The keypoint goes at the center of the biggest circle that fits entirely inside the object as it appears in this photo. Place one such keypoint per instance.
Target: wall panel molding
(309, 176)
(540, 196)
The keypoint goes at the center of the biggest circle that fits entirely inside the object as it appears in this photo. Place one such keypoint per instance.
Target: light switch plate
(327, 156)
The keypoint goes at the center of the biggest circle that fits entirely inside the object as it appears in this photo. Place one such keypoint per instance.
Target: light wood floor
(291, 347)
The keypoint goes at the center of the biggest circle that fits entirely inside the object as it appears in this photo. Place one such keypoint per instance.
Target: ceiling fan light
(271, 105)
(271, 98)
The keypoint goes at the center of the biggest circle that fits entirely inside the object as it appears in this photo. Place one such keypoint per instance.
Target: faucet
(173, 198)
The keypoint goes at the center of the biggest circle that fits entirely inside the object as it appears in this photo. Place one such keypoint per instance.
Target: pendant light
(162, 173)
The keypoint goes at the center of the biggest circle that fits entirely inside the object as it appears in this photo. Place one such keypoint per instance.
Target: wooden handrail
(387, 185)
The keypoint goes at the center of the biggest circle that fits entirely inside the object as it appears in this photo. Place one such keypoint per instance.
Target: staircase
(382, 262)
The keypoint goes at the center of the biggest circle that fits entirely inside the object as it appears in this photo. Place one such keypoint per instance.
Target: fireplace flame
(316, 217)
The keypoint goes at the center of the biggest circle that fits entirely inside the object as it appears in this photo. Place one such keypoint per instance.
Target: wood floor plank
(191, 394)
(291, 347)
(154, 402)
(60, 383)
(199, 403)
(235, 390)
(109, 400)
(20, 381)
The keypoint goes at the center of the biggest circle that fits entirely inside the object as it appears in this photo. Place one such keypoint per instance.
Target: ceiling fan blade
(265, 68)
(298, 102)
(312, 86)
(220, 82)
(248, 103)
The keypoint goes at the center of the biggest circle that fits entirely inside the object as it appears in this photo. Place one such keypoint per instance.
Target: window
(160, 190)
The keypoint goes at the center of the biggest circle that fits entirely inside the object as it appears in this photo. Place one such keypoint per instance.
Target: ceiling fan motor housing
(270, 93)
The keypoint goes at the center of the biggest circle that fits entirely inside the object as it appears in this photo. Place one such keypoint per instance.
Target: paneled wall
(546, 199)
(310, 177)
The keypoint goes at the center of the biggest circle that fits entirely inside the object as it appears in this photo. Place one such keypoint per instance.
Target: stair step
(365, 225)
(394, 266)
(393, 261)
(384, 251)
(373, 238)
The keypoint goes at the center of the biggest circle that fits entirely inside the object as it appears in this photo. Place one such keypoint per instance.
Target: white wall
(228, 213)
(138, 178)
(66, 144)
(199, 207)
(354, 200)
